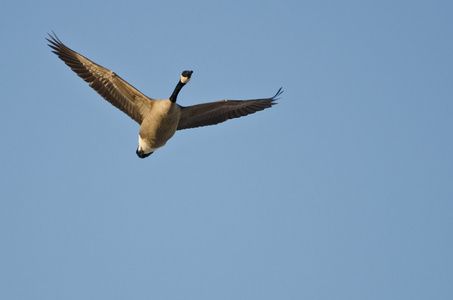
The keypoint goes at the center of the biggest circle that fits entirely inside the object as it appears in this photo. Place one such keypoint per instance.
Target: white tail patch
(144, 146)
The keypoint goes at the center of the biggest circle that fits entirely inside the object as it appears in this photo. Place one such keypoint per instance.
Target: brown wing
(217, 112)
(109, 85)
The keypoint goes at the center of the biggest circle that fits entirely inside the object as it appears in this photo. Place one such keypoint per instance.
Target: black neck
(176, 91)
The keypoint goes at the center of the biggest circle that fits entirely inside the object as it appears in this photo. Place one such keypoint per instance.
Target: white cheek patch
(185, 79)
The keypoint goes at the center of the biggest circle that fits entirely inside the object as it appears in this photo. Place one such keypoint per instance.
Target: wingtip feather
(279, 92)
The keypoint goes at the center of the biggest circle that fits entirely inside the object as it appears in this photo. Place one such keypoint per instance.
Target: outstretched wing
(109, 85)
(217, 112)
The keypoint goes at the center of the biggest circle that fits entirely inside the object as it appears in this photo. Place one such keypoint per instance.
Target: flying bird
(158, 119)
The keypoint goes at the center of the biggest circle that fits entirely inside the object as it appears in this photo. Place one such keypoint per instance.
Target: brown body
(159, 125)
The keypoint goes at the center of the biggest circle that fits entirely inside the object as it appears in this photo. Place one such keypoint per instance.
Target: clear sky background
(341, 191)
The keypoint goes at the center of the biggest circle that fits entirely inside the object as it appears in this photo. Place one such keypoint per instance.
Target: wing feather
(105, 82)
(217, 112)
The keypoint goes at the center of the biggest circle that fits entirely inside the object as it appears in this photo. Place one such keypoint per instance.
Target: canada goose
(158, 119)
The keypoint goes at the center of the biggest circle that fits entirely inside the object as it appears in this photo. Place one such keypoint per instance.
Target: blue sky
(341, 191)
